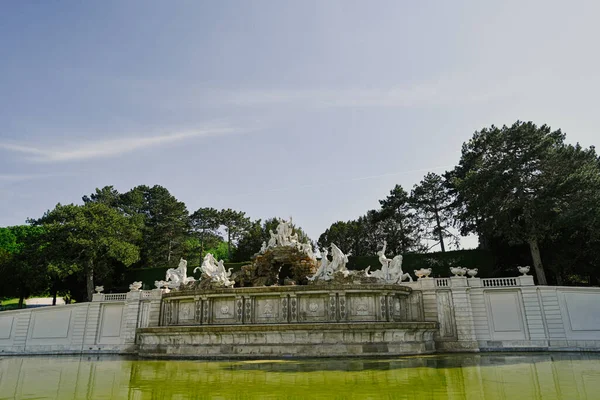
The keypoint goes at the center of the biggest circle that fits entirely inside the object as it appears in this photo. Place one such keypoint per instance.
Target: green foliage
(432, 202)
(88, 239)
(522, 183)
(163, 220)
(205, 223)
(236, 224)
(220, 252)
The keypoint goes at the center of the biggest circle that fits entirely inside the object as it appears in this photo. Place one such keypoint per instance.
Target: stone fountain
(287, 304)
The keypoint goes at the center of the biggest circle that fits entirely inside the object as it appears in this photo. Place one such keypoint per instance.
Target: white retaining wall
(473, 315)
(513, 314)
(105, 325)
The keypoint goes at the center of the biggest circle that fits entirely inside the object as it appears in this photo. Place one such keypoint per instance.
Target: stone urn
(422, 273)
(99, 289)
(458, 271)
(135, 286)
(472, 272)
(524, 270)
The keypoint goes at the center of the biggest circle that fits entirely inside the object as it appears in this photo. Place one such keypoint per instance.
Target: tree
(235, 223)
(523, 183)
(88, 239)
(399, 222)
(164, 222)
(205, 225)
(433, 204)
(20, 259)
(108, 195)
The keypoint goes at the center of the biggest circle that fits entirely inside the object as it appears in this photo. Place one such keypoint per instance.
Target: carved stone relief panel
(267, 309)
(186, 312)
(223, 310)
(361, 307)
(313, 308)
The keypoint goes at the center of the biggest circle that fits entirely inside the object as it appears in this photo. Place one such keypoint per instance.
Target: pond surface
(484, 376)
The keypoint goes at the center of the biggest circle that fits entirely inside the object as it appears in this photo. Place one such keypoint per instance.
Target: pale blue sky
(314, 109)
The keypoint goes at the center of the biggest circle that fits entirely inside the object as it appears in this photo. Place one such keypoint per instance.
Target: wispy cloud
(107, 147)
(23, 177)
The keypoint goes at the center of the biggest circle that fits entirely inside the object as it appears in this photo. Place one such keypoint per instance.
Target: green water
(488, 376)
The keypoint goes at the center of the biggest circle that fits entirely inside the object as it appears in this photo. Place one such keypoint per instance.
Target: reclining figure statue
(215, 271)
(391, 269)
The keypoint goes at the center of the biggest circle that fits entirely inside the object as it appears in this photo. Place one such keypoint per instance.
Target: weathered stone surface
(298, 340)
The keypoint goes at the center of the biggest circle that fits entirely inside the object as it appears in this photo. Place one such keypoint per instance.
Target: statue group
(284, 236)
(213, 272)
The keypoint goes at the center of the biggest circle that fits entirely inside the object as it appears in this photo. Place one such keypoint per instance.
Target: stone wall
(500, 314)
(106, 325)
(469, 314)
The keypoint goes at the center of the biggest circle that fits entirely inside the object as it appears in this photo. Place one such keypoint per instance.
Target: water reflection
(506, 376)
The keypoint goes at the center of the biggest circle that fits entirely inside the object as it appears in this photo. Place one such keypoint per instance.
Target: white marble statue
(178, 276)
(215, 271)
(391, 269)
(339, 261)
(135, 286)
(306, 248)
(263, 248)
(272, 240)
(323, 272)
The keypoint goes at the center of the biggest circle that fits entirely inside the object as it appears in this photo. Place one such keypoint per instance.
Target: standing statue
(215, 271)
(178, 276)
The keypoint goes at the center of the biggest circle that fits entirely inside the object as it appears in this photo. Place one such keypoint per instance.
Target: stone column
(131, 313)
(154, 308)
(463, 315)
(427, 287)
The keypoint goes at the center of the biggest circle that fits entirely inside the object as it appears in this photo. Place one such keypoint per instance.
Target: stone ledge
(325, 326)
(290, 289)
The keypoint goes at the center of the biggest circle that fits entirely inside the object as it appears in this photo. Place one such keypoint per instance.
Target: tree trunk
(440, 232)
(21, 297)
(228, 244)
(54, 294)
(89, 278)
(537, 262)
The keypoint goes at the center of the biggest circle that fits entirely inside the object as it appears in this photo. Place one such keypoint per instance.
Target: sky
(310, 109)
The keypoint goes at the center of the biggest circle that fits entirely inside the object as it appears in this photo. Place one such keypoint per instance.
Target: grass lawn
(9, 304)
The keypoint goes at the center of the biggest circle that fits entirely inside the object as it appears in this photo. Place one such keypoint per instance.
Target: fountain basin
(290, 321)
